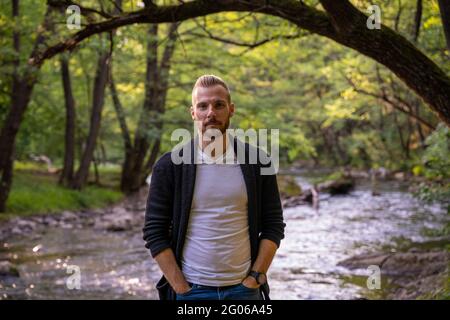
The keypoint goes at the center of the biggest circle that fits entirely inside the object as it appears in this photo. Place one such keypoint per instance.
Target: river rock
(119, 220)
(414, 263)
(65, 225)
(8, 269)
(26, 224)
(17, 231)
(399, 176)
(339, 186)
(364, 260)
(413, 273)
(305, 198)
(119, 224)
(358, 174)
(69, 216)
(49, 221)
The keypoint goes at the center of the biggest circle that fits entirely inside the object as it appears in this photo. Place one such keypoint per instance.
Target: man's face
(211, 108)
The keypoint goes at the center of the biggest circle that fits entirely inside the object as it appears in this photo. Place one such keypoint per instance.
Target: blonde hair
(210, 80)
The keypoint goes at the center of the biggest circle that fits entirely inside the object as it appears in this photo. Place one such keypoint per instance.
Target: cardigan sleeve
(158, 212)
(272, 222)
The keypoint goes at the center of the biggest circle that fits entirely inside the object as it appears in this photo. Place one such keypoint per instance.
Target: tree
(69, 152)
(23, 80)
(98, 98)
(135, 168)
(444, 6)
(339, 21)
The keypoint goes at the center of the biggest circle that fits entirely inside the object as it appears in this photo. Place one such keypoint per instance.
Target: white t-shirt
(217, 245)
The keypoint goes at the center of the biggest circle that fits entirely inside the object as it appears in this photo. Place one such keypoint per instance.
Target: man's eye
(220, 105)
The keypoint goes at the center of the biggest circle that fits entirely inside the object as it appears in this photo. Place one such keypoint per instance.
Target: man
(213, 227)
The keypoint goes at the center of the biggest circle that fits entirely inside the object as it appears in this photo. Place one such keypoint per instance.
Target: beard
(217, 125)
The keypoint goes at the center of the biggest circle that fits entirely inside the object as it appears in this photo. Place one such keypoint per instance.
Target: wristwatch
(260, 277)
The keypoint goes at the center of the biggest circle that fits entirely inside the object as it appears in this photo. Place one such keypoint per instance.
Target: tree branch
(342, 23)
(393, 101)
(244, 44)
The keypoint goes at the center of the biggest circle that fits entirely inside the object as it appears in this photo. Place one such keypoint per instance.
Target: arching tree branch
(342, 22)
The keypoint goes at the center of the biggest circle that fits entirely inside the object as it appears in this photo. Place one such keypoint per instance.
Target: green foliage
(35, 191)
(436, 159)
(288, 186)
(320, 95)
(334, 176)
(441, 232)
(435, 167)
(434, 191)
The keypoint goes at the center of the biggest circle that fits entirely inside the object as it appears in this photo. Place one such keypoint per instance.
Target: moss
(288, 186)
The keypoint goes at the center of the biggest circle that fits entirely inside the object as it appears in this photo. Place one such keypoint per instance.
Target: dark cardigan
(169, 204)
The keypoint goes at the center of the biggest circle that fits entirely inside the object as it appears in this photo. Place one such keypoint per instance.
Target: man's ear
(231, 109)
(192, 113)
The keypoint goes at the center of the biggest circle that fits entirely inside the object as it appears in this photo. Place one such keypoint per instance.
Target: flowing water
(115, 265)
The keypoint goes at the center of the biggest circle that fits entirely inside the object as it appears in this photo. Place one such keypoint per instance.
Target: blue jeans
(234, 292)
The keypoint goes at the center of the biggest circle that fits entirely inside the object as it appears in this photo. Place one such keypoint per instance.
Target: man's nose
(211, 111)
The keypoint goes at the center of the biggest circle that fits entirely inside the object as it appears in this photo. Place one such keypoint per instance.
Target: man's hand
(266, 252)
(168, 264)
(183, 289)
(250, 282)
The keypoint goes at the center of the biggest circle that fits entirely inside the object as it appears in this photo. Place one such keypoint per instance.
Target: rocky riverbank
(341, 183)
(412, 274)
(107, 242)
(123, 216)
(415, 274)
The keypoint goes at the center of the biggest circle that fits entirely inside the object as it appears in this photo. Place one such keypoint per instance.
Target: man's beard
(222, 128)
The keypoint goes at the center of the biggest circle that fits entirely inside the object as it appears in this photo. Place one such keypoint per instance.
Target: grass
(35, 191)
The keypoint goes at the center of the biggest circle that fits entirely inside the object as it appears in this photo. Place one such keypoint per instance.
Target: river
(115, 265)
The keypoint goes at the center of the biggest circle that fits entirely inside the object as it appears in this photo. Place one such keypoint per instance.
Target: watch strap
(255, 274)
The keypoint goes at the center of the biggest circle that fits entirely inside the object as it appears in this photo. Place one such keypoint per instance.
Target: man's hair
(210, 80)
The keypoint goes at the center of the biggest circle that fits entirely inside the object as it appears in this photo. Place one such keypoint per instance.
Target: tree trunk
(156, 85)
(21, 90)
(128, 145)
(120, 114)
(96, 173)
(444, 7)
(329, 145)
(342, 23)
(399, 127)
(419, 127)
(132, 166)
(151, 160)
(21, 93)
(69, 152)
(417, 20)
(98, 96)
